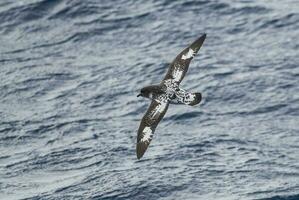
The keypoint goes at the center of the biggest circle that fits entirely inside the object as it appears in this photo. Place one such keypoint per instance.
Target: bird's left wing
(148, 124)
(179, 67)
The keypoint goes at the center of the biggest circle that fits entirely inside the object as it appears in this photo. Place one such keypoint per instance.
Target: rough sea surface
(70, 71)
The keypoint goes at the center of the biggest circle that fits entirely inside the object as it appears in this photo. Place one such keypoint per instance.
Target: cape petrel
(165, 93)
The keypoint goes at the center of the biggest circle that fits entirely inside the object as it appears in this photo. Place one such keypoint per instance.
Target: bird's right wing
(179, 67)
(148, 124)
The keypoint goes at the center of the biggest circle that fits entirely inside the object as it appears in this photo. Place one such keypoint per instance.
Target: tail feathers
(194, 98)
(183, 97)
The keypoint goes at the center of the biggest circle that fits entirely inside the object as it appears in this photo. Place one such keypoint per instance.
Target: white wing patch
(158, 109)
(177, 74)
(147, 134)
(190, 54)
(171, 84)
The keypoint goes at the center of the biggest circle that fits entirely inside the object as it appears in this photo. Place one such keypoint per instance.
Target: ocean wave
(70, 72)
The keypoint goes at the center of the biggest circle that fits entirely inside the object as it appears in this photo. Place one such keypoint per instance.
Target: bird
(165, 93)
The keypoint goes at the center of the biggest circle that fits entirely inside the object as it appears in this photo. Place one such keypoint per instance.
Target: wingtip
(140, 150)
(139, 156)
(197, 100)
(196, 45)
(203, 37)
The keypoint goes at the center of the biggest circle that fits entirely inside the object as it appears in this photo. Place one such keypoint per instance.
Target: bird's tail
(194, 98)
(188, 98)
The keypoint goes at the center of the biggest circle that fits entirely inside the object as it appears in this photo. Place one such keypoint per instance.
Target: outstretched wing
(179, 66)
(148, 124)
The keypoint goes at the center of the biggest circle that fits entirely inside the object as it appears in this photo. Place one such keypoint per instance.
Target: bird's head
(144, 92)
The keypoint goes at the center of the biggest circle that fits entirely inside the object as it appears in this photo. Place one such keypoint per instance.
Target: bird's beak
(138, 95)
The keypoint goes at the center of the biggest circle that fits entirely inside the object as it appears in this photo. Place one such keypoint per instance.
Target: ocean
(70, 72)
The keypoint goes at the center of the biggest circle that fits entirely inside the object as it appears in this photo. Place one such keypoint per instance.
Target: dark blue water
(70, 71)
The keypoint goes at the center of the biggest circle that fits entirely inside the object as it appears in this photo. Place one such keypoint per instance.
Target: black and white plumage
(165, 93)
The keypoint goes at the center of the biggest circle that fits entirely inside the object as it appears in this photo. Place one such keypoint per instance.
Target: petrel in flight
(168, 91)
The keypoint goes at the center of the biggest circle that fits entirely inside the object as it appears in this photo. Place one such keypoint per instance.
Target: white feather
(148, 133)
(177, 74)
(158, 109)
(190, 54)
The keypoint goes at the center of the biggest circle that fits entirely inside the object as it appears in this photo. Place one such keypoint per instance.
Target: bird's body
(165, 93)
(172, 93)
